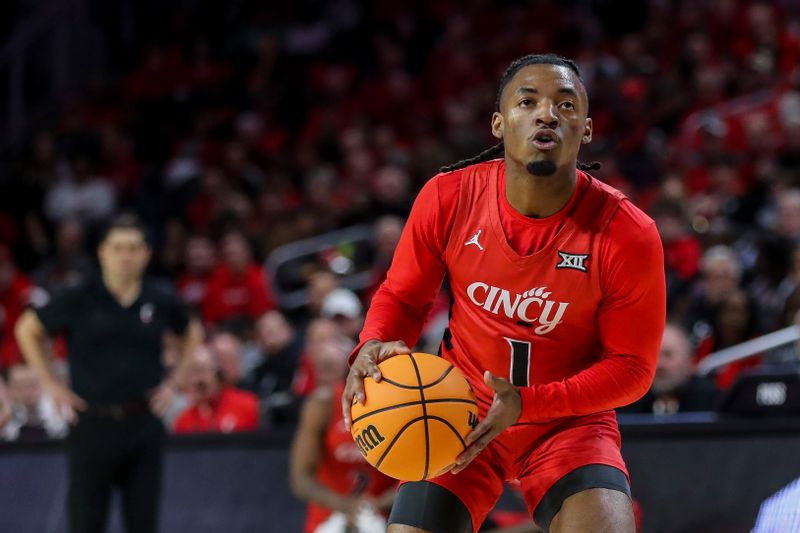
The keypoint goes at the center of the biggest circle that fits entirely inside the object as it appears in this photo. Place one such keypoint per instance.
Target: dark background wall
(707, 477)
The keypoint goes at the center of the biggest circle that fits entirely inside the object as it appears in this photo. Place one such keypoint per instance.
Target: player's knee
(595, 511)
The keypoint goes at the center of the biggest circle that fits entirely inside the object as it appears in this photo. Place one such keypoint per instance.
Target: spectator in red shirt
(16, 291)
(238, 287)
(200, 261)
(215, 407)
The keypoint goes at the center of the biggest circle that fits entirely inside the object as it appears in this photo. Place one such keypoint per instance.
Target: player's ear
(497, 125)
(587, 131)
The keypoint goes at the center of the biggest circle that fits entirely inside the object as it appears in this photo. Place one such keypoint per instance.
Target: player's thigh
(449, 503)
(594, 495)
(583, 454)
(595, 511)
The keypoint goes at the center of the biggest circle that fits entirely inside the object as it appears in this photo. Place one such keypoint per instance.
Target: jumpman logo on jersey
(474, 240)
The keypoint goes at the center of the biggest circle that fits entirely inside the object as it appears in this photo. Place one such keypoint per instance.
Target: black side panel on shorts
(428, 506)
(580, 479)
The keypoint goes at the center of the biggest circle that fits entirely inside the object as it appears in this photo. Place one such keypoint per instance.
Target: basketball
(414, 421)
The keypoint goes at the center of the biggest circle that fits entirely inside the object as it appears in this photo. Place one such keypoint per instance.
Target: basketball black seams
(425, 414)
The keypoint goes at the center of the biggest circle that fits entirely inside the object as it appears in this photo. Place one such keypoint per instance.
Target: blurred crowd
(240, 127)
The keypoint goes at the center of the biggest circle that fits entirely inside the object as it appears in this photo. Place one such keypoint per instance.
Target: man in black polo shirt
(114, 328)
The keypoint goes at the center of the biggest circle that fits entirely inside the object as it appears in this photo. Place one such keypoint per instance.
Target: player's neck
(125, 291)
(539, 196)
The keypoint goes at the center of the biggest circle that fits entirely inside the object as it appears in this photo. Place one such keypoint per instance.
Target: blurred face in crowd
(202, 382)
(734, 316)
(200, 255)
(537, 97)
(227, 349)
(788, 215)
(69, 239)
(669, 227)
(674, 361)
(236, 251)
(387, 234)
(330, 361)
(319, 332)
(350, 326)
(24, 386)
(320, 285)
(721, 277)
(274, 332)
(124, 255)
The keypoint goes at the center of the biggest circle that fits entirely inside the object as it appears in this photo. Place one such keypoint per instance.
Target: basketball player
(558, 309)
(326, 468)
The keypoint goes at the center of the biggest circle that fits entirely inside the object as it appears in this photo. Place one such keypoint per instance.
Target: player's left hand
(162, 398)
(505, 410)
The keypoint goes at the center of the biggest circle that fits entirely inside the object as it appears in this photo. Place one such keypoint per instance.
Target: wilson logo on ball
(472, 420)
(369, 439)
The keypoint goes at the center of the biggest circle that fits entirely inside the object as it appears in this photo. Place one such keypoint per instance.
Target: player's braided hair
(510, 72)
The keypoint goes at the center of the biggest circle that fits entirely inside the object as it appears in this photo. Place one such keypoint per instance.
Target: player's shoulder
(447, 184)
(627, 218)
(474, 171)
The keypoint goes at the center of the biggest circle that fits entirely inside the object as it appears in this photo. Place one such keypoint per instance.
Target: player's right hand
(66, 401)
(366, 364)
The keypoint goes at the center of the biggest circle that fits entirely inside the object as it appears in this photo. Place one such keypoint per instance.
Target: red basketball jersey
(576, 324)
(530, 319)
(343, 469)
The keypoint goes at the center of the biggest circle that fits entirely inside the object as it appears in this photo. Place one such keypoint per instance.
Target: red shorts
(537, 455)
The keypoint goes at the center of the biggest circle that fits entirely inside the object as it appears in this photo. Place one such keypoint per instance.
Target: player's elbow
(641, 378)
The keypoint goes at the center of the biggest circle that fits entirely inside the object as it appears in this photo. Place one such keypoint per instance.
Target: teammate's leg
(596, 511)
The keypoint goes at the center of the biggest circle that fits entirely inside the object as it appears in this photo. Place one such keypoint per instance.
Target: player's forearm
(31, 338)
(610, 383)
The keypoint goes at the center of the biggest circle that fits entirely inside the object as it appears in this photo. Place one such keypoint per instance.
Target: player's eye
(567, 105)
(525, 102)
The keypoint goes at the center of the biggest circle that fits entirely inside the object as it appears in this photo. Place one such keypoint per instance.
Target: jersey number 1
(519, 373)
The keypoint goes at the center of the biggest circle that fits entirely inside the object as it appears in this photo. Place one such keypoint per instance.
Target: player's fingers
(398, 348)
(347, 400)
(371, 369)
(390, 349)
(499, 385)
(466, 457)
(355, 385)
(480, 430)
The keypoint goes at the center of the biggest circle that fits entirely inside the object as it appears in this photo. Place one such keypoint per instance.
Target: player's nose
(546, 114)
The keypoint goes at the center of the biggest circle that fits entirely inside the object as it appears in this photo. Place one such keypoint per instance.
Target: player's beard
(544, 167)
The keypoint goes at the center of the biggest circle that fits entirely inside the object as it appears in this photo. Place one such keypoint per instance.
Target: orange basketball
(415, 419)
